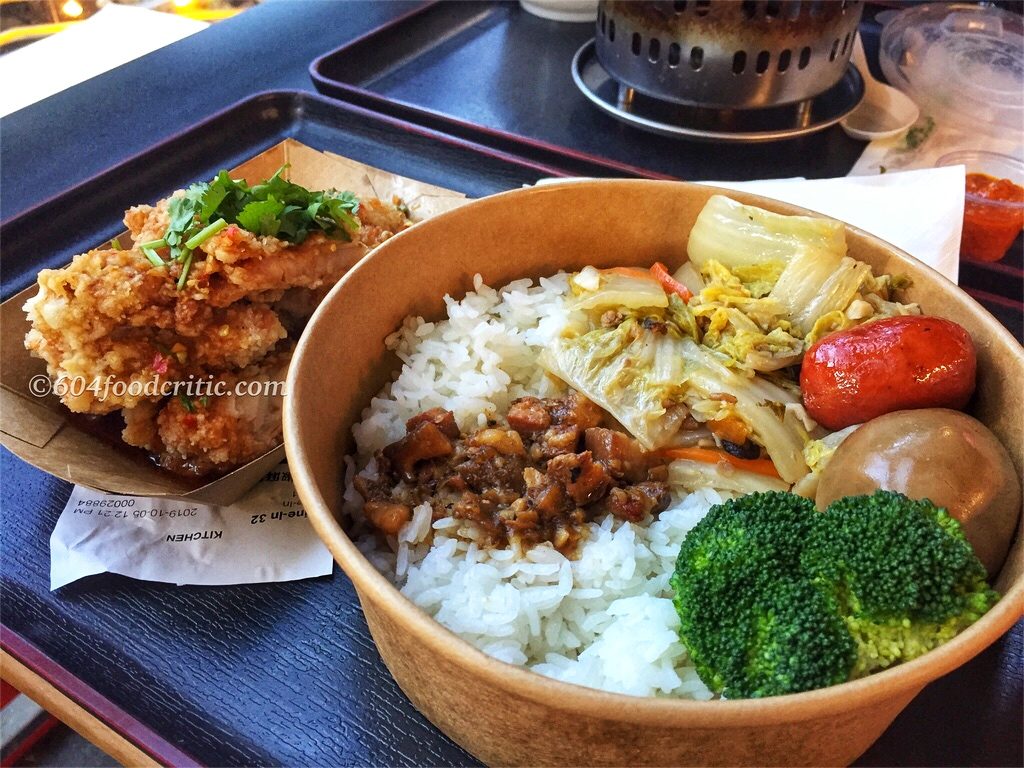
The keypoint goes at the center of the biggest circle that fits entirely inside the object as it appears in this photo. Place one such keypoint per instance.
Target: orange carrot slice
(763, 467)
(669, 283)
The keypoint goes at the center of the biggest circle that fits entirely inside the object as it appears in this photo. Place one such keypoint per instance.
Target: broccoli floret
(904, 576)
(798, 643)
(774, 597)
(752, 623)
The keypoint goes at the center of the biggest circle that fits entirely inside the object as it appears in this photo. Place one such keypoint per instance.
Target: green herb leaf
(917, 135)
(274, 207)
(154, 257)
(216, 192)
(205, 234)
(185, 267)
(261, 216)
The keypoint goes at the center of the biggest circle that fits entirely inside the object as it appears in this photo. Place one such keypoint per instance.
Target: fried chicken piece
(102, 290)
(148, 222)
(380, 221)
(116, 332)
(217, 432)
(232, 337)
(113, 321)
(236, 263)
(140, 428)
(239, 264)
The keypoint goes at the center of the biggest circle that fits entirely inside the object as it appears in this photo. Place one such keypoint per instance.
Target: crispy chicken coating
(116, 332)
(110, 324)
(140, 427)
(204, 433)
(238, 264)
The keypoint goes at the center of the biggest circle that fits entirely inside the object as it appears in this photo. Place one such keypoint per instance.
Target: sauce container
(993, 203)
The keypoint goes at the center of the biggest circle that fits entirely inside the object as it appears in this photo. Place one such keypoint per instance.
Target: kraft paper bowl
(506, 715)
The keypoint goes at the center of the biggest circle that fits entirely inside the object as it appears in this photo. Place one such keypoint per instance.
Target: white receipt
(263, 537)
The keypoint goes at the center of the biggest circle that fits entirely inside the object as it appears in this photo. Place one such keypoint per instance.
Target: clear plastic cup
(961, 63)
(990, 225)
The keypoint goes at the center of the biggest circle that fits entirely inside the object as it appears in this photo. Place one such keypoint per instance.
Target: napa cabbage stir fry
(701, 365)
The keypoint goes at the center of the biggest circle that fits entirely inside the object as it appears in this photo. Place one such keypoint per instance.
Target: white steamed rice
(604, 619)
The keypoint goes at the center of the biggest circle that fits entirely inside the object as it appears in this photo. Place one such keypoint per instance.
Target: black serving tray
(287, 673)
(490, 69)
(492, 73)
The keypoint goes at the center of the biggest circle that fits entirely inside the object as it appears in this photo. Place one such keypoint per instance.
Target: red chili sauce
(990, 229)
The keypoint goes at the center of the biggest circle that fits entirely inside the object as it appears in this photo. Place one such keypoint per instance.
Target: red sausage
(887, 365)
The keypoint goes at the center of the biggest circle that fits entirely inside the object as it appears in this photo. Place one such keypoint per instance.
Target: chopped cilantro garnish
(262, 216)
(916, 135)
(154, 257)
(275, 207)
(185, 267)
(205, 234)
(186, 402)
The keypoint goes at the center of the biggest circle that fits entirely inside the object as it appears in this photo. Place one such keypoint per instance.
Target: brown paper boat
(43, 433)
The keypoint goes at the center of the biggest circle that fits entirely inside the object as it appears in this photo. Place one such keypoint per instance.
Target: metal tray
(494, 74)
(287, 673)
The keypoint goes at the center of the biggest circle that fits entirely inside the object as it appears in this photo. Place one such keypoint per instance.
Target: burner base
(711, 124)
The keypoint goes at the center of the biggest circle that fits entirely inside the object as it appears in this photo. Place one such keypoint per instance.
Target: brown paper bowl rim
(374, 586)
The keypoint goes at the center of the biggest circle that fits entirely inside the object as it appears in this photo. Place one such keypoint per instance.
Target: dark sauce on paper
(108, 427)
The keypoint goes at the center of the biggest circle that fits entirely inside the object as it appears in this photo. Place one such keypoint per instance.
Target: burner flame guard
(727, 54)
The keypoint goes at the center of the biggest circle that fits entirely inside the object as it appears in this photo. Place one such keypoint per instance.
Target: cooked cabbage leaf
(815, 283)
(885, 308)
(732, 333)
(759, 278)
(797, 262)
(723, 289)
(621, 288)
(680, 313)
(688, 275)
(635, 371)
(751, 331)
(759, 402)
(647, 374)
(738, 235)
(817, 454)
